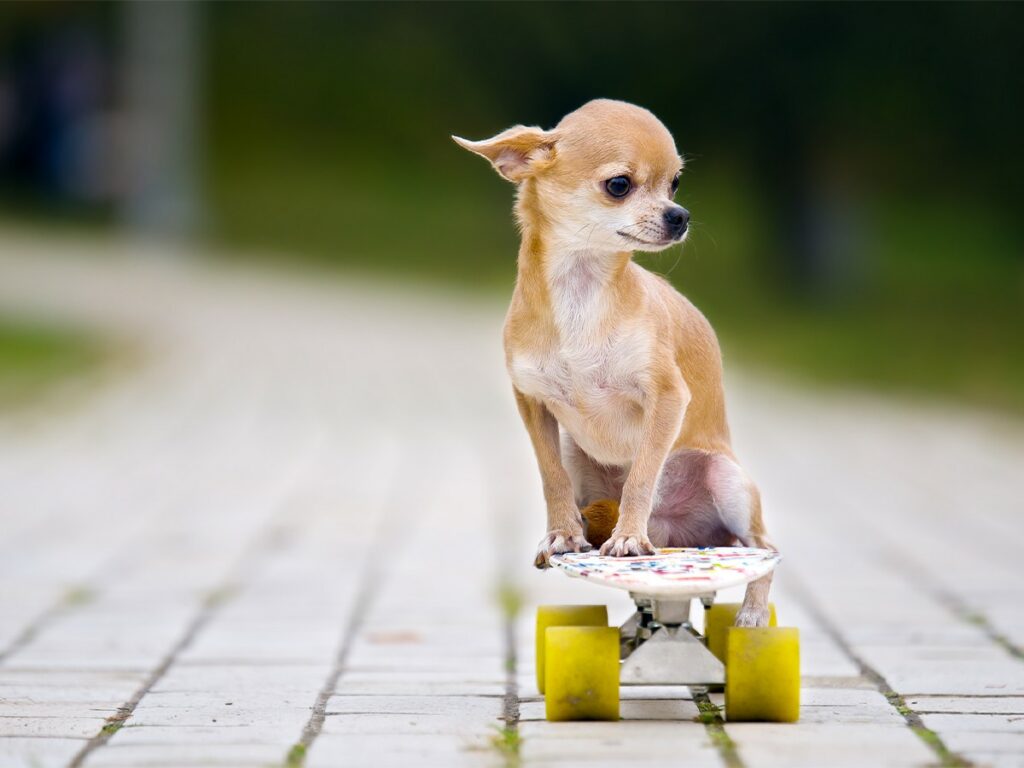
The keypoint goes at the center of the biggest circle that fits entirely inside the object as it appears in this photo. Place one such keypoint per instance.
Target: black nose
(676, 220)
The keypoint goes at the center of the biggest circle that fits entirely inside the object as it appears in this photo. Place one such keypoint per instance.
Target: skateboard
(581, 661)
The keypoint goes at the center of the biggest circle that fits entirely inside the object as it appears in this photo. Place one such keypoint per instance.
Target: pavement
(296, 527)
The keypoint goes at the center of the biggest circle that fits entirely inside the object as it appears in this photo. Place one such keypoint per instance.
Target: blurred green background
(855, 172)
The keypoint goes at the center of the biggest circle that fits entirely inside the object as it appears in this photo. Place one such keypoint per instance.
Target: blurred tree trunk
(161, 96)
(818, 215)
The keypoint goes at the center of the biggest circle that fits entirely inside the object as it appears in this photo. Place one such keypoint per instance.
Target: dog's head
(603, 179)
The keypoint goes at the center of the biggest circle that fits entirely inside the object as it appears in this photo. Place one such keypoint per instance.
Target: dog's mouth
(636, 239)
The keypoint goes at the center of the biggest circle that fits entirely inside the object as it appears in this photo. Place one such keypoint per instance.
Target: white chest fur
(592, 380)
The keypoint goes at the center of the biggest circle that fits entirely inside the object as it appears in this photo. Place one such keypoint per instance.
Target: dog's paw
(627, 545)
(752, 616)
(558, 542)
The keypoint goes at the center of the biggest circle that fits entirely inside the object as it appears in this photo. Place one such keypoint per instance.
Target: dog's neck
(577, 288)
(581, 284)
(572, 285)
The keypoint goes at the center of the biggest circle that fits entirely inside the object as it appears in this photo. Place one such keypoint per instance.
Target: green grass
(308, 153)
(947, 758)
(296, 756)
(917, 352)
(434, 231)
(36, 358)
(932, 313)
(711, 718)
(113, 726)
(78, 596)
(510, 599)
(931, 309)
(507, 742)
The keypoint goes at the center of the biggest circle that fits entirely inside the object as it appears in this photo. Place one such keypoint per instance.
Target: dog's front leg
(662, 422)
(565, 525)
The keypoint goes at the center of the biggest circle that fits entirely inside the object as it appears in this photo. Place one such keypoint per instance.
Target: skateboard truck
(659, 646)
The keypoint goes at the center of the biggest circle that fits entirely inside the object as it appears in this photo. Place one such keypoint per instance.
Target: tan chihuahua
(627, 367)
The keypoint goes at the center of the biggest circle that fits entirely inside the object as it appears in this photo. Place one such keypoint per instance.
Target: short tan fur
(617, 376)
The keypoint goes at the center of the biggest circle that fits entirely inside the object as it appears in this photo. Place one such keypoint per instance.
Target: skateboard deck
(672, 573)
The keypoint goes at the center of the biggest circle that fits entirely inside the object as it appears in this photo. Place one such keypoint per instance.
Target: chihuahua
(617, 376)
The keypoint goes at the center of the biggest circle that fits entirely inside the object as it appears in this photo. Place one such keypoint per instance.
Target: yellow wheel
(719, 619)
(582, 677)
(565, 616)
(762, 674)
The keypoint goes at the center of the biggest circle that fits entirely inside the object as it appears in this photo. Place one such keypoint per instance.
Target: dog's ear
(517, 153)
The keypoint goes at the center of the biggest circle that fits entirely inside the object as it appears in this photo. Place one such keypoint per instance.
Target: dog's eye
(618, 186)
(675, 184)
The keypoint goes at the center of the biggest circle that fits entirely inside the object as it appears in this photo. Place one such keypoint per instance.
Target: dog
(617, 376)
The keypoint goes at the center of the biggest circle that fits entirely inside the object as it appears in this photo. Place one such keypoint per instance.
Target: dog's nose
(676, 221)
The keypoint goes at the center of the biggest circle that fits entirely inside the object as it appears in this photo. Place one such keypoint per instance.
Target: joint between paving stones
(72, 599)
(369, 585)
(508, 739)
(956, 606)
(115, 722)
(947, 758)
(714, 725)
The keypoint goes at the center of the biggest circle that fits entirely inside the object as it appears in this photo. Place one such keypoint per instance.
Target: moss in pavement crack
(507, 741)
(296, 756)
(711, 716)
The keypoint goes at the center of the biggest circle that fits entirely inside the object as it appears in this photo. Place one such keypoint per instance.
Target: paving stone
(997, 759)
(823, 659)
(218, 697)
(68, 687)
(629, 709)
(248, 393)
(851, 683)
(237, 680)
(920, 638)
(978, 677)
(683, 743)
(969, 743)
(767, 745)
(404, 749)
(988, 723)
(402, 685)
(968, 705)
(38, 752)
(842, 697)
(845, 705)
(437, 723)
(390, 680)
(273, 715)
(175, 755)
(275, 734)
(54, 726)
(267, 640)
(459, 706)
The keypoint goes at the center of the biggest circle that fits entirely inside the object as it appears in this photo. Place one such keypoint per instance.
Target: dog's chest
(582, 377)
(591, 375)
(594, 388)
(596, 394)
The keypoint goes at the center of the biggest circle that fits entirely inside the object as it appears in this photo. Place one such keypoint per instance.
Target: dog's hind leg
(707, 500)
(739, 503)
(686, 513)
